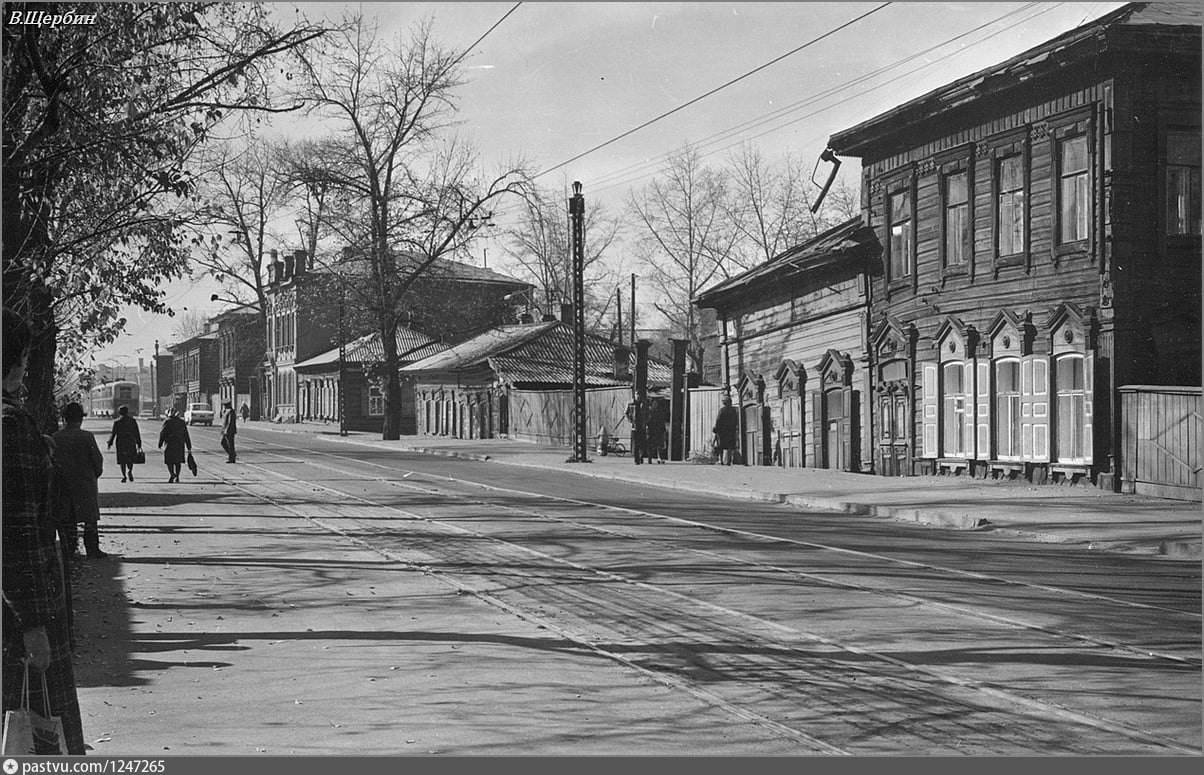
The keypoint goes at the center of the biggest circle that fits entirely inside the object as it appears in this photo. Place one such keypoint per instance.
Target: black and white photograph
(680, 380)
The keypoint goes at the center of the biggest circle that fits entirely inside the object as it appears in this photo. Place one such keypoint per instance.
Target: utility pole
(577, 216)
(154, 384)
(342, 358)
(633, 309)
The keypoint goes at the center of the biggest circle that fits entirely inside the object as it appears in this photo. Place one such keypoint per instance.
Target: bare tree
(842, 203)
(190, 323)
(539, 246)
(769, 206)
(403, 196)
(686, 239)
(243, 195)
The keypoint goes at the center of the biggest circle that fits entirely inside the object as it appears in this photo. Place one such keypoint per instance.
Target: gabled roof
(837, 244)
(411, 346)
(535, 353)
(1181, 21)
(441, 269)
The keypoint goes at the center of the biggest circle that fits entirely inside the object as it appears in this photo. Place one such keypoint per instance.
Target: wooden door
(893, 457)
(752, 435)
(835, 445)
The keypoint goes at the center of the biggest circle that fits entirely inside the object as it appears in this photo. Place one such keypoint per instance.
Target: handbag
(140, 456)
(191, 463)
(32, 734)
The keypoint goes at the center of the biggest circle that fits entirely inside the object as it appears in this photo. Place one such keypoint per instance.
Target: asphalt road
(824, 633)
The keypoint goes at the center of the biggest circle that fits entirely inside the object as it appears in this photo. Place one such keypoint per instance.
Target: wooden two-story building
(793, 352)
(195, 371)
(1039, 230)
(239, 352)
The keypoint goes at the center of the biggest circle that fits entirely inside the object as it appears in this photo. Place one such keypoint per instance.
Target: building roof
(840, 243)
(535, 353)
(1080, 44)
(411, 346)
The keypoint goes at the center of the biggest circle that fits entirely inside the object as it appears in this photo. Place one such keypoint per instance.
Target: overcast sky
(554, 80)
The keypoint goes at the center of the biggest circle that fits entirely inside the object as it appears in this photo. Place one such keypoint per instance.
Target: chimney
(273, 267)
(547, 317)
(288, 266)
(566, 314)
(526, 317)
(299, 261)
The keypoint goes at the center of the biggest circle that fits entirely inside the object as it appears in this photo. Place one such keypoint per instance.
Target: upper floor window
(900, 234)
(1073, 190)
(957, 219)
(1009, 183)
(1182, 183)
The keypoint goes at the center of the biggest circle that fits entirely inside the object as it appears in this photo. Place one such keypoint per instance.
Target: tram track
(916, 679)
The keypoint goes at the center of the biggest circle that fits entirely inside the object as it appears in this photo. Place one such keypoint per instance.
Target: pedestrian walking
(229, 430)
(245, 412)
(726, 430)
(174, 440)
(637, 415)
(656, 430)
(129, 442)
(36, 632)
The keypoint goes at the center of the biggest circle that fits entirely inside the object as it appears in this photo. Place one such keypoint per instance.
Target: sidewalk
(1080, 515)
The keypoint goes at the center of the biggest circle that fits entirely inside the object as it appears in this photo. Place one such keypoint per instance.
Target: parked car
(198, 413)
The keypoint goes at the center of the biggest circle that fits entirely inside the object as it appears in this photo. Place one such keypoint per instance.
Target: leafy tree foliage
(99, 122)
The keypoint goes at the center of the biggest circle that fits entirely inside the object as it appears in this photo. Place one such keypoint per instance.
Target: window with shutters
(1070, 384)
(953, 409)
(1007, 409)
(376, 401)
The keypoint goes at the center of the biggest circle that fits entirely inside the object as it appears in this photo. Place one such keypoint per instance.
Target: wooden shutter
(1034, 408)
(982, 410)
(817, 429)
(930, 408)
(1088, 405)
(968, 408)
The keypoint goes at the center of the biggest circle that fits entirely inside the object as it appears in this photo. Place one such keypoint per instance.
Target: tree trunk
(392, 425)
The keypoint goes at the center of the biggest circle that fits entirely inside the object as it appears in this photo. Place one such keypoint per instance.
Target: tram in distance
(105, 400)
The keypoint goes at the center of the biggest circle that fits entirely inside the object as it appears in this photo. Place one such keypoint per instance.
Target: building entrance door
(836, 446)
(893, 456)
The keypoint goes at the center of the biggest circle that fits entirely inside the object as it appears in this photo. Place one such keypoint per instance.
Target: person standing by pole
(36, 634)
(229, 430)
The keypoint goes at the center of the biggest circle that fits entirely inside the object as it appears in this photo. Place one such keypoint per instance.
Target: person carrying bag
(29, 733)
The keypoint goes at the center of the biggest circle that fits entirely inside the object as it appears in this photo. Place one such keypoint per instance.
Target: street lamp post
(577, 215)
(342, 358)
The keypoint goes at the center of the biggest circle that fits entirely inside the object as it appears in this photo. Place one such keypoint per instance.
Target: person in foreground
(174, 441)
(36, 630)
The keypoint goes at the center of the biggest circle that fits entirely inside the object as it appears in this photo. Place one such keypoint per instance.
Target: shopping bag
(192, 464)
(140, 456)
(33, 734)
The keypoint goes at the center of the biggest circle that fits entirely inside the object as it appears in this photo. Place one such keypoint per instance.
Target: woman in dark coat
(174, 440)
(727, 430)
(129, 441)
(35, 616)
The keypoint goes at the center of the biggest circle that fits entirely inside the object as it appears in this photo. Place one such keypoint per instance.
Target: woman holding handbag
(174, 440)
(129, 442)
(35, 616)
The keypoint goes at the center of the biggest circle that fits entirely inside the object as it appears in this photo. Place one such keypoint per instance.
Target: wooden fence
(546, 416)
(1160, 441)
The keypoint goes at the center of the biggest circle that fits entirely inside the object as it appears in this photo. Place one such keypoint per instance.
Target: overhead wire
(604, 181)
(719, 88)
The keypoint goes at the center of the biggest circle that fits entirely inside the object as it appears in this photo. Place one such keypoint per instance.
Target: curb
(953, 520)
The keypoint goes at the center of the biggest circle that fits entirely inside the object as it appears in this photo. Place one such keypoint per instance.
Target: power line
(491, 29)
(782, 112)
(701, 97)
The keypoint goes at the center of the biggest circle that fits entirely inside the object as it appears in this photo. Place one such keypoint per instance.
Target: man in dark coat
(727, 430)
(36, 630)
(78, 464)
(656, 431)
(229, 429)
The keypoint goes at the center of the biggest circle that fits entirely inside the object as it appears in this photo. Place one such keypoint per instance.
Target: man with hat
(229, 429)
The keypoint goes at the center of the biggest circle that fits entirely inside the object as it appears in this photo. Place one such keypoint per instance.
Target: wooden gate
(703, 404)
(1160, 441)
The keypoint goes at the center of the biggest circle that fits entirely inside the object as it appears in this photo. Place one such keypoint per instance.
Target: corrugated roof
(833, 244)
(411, 346)
(1082, 41)
(535, 352)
